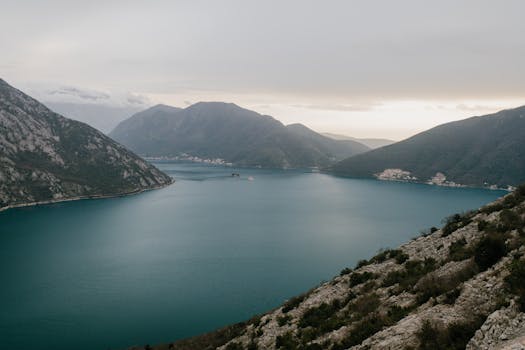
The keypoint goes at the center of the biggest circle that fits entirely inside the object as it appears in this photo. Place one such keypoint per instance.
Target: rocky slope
(216, 130)
(458, 287)
(46, 157)
(478, 151)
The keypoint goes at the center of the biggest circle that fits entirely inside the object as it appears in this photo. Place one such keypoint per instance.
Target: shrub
(489, 251)
(358, 278)
(516, 281)
(365, 305)
(458, 250)
(362, 263)
(396, 313)
(363, 330)
(452, 295)
(408, 277)
(401, 257)
(282, 320)
(294, 302)
(456, 221)
(453, 337)
(345, 271)
(432, 286)
(509, 220)
(286, 342)
(316, 316)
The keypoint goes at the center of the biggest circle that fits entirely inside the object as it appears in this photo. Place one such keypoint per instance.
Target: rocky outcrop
(45, 157)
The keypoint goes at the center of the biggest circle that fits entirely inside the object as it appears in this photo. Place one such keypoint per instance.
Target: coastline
(79, 198)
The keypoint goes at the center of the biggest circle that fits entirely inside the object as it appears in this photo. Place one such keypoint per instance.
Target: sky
(361, 68)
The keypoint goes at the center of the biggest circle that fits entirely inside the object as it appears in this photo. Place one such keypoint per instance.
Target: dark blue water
(207, 251)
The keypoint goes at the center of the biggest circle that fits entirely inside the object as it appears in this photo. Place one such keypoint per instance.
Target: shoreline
(79, 198)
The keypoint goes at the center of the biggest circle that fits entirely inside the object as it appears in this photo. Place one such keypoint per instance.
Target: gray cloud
(81, 94)
(477, 108)
(342, 107)
(375, 49)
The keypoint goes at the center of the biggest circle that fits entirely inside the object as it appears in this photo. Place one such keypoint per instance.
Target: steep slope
(462, 286)
(46, 157)
(227, 131)
(372, 143)
(478, 151)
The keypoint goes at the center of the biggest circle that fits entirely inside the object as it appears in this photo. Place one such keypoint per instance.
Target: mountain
(458, 287)
(478, 151)
(46, 157)
(224, 130)
(369, 142)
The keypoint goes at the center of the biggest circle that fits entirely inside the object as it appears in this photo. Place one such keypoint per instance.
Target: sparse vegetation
(458, 250)
(357, 278)
(456, 221)
(412, 272)
(286, 341)
(516, 280)
(452, 337)
(294, 302)
(433, 286)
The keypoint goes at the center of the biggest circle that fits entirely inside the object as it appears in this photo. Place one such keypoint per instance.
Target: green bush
(401, 257)
(364, 305)
(408, 277)
(357, 278)
(361, 330)
(516, 280)
(458, 250)
(489, 251)
(456, 221)
(294, 302)
(453, 337)
(362, 263)
(432, 286)
(286, 342)
(509, 220)
(316, 316)
(282, 320)
(345, 271)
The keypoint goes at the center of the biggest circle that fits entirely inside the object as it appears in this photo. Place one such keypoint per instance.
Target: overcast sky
(362, 68)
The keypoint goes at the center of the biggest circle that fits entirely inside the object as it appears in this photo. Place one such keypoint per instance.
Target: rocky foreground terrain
(45, 157)
(458, 287)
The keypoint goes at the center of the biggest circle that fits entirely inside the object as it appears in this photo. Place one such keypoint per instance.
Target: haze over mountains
(44, 156)
(478, 151)
(369, 142)
(224, 130)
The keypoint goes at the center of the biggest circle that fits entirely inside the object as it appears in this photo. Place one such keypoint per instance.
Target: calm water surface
(207, 251)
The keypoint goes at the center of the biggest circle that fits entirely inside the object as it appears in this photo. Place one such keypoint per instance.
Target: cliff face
(46, 157)
(461, 286)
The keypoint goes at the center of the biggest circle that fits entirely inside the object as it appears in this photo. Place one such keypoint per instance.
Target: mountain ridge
(237, 135)
(481, 151)
(48, 158)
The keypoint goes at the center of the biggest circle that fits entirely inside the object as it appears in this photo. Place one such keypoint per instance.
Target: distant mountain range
(46, 157)
(369, 142)
(478, 151)
(102, 117)
(214, 130)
